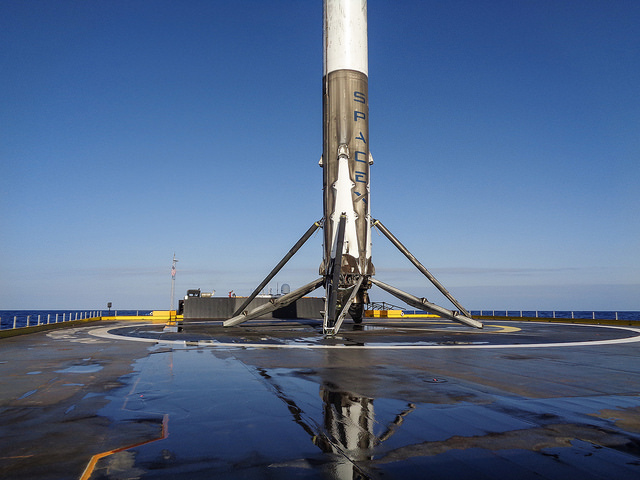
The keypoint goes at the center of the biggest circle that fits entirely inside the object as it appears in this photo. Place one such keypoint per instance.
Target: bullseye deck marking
(103, 332)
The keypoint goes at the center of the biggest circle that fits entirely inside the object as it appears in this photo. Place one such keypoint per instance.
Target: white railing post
(28, 316)
(38, 320)
(15, 319)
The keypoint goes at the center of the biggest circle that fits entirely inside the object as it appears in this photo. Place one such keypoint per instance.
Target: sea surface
(21, 317)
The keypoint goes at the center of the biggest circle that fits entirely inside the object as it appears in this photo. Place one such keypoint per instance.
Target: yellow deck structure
(396, 314)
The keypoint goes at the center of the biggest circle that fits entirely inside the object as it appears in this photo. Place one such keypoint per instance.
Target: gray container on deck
(222, 308)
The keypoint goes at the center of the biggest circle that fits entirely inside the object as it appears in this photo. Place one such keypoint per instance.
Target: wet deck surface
(411, 399)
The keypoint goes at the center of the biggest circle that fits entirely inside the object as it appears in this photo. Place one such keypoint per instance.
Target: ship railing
(24, 321)
(530, 314)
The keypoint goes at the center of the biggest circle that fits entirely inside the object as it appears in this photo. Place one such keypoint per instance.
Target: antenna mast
(173, 281)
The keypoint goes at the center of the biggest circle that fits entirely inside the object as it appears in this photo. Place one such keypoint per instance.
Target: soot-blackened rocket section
(346, 271)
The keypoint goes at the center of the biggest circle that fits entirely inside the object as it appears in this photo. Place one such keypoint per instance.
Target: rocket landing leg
(332, 329)
(274, 304)
(341, 289)
(279, 266)
(241, 315)
(463, 316)
(332, 278)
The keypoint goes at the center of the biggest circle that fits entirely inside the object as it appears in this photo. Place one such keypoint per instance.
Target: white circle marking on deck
(103, 332)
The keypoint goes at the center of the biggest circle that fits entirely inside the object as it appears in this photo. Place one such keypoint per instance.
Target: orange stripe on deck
(94, 460)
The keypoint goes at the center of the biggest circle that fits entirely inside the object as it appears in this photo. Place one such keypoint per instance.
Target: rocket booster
(345, 155)
(346, 269)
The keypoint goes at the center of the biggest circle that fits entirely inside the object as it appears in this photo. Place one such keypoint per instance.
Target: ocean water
(21, 317)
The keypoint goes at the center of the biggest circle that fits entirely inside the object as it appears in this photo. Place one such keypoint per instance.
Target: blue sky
(506, 139)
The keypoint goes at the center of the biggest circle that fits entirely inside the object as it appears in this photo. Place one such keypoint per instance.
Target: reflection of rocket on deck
(346, 269)
(347, 428)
